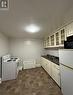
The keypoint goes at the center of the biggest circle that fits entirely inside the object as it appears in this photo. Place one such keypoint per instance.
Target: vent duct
(4, 4)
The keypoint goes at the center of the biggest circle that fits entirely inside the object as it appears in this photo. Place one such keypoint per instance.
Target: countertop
(53, 59)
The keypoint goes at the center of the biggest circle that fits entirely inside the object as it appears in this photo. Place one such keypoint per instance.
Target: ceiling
(48, 14)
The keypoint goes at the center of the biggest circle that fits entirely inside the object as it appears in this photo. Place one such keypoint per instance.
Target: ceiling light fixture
(32, 28)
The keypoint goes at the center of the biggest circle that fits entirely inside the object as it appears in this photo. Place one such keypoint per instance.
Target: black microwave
(69, 43)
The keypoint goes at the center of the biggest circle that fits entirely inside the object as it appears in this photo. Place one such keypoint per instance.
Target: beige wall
(26, 49)
(3, 46)
(52, 52)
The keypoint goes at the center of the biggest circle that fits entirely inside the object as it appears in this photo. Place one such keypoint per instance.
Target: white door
(66, 80)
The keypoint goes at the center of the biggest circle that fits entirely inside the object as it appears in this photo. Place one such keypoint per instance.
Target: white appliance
(5, 58)
(9, 68)
(66, 67)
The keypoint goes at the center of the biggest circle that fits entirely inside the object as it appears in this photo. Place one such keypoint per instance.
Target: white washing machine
(9, 68)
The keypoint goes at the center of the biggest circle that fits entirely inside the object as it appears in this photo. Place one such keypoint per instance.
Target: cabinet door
(62, 36)
(47, 67)
(50, 71)
(43, 63)
(69, 29)
(46, 64)
(52, 40)
(48, 41)
(57, 38)
(57, 76)
(56, 73)
(53, 71)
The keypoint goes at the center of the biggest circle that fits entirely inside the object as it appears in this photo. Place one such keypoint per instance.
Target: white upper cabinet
(69, 29)
(57, 39)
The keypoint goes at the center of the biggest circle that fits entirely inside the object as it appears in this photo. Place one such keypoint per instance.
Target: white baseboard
(0, 81)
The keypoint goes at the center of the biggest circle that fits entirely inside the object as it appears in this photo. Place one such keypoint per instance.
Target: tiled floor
(30, 82)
